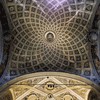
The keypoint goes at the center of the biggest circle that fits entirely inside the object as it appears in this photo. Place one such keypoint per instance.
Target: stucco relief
(50, 88)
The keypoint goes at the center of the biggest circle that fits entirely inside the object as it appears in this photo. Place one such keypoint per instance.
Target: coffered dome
(49, 35)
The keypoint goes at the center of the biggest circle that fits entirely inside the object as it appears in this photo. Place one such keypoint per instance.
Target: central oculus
(50, 36)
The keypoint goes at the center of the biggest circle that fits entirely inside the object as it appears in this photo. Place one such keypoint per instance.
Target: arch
(56, 84)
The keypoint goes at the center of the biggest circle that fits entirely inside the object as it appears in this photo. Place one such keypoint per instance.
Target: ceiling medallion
(50, 86)
(50, 36)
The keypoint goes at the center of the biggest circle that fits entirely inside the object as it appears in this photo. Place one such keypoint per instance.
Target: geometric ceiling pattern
(49, 35)
(50, 87)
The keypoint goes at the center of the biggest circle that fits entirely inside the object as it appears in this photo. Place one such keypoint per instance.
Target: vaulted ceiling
(49, 35)
(50, 86)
